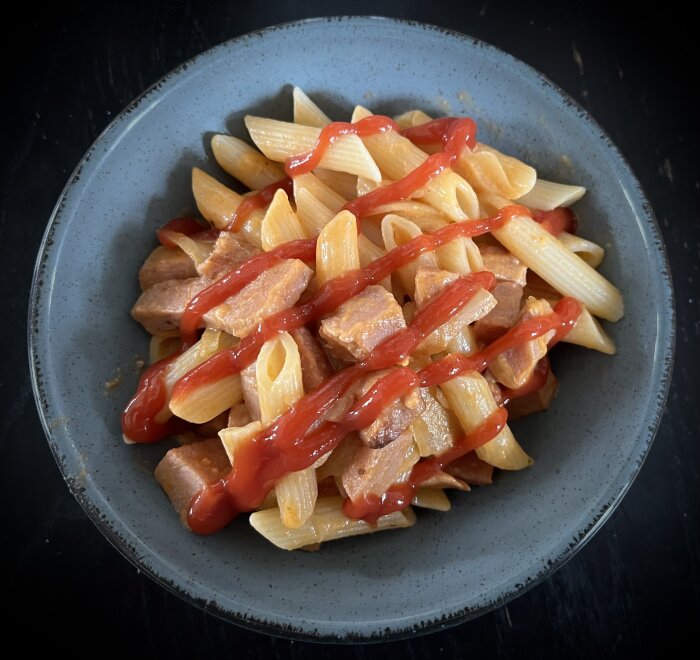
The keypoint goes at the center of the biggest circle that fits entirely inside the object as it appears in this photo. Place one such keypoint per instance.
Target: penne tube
(587, 331)
(233, 436)
(365, 186)
(336, 248)
(208, 401)
(245, 163)
(306, 112)
(341, 183)
(280, 140)
(546, 195)
(472, 402)
(397, 231)
(397, 156)
(590, 334)
(327, 523)
(590, 252)
(163, 346)
(561, 268)
(436, 428)
(280, 223)
(278, 377)
(370, 252)
(279, 385)
(453, 256)
(431, 498)
(296, 496)
(217, 204)
(463, 342)
(323, 193)
(452, 195)
(210, 342)
(429, 219)
(312, 214)
(488, 170)
(198, 251)
(412, 118)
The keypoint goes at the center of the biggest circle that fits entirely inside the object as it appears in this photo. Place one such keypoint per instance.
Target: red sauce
(284, 447)
(235, 280)
(432, 132)
(139, 419)
(258, 200)
(399, 496)
(534, 383)
(557, 220)
(186, 226)
(461, 133)
(287, 445)
(304, 163)
(328, 298)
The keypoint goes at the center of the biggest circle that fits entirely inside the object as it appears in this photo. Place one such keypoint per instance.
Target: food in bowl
(350, 338)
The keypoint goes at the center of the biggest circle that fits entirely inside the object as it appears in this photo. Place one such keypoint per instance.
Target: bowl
(496, 542)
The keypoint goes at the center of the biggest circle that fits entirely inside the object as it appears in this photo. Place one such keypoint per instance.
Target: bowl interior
(496, 540)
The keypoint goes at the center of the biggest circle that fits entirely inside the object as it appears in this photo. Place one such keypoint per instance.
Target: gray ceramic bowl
(496, 542)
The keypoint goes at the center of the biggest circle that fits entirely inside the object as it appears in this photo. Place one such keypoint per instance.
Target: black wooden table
(634, 589)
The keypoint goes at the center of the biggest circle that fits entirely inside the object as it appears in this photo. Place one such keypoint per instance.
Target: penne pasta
(245, 163)
(306, 112)
(436, 428)
(217, 204)
(336, 248)
(557, 265)
(197, 251)
(397, 156)
(488, 170)
(327, 523)
(283, 346)
(546, 195)
(322, 192)
(280, 140)
(225, 394)
(412, 118)
(234, 436)
(340, 183)
(397, 231)
(431, 498)
(280, 223)
(589, 251)
(472, 402)
(208, 401)
(279, 385)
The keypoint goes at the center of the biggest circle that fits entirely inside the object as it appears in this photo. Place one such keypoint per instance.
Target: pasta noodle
(349, 337)
(280, 140)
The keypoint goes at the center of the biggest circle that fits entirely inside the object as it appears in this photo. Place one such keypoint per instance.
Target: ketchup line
(330, 296)
(231, 283)
(270, 454)
(371, 507)
(309, 160)
(266, 458)
(257, 201)
(456, 135)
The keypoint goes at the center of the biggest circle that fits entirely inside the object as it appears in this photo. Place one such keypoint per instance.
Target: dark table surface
(634, 589)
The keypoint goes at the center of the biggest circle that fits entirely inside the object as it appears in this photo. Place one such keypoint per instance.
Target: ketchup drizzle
(283, 447)
(258, 200)
(287, 445)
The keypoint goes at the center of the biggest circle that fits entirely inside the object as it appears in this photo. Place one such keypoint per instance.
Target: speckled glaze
(496, 542)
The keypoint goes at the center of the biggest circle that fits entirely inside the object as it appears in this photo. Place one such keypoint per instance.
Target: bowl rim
(665, 340)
